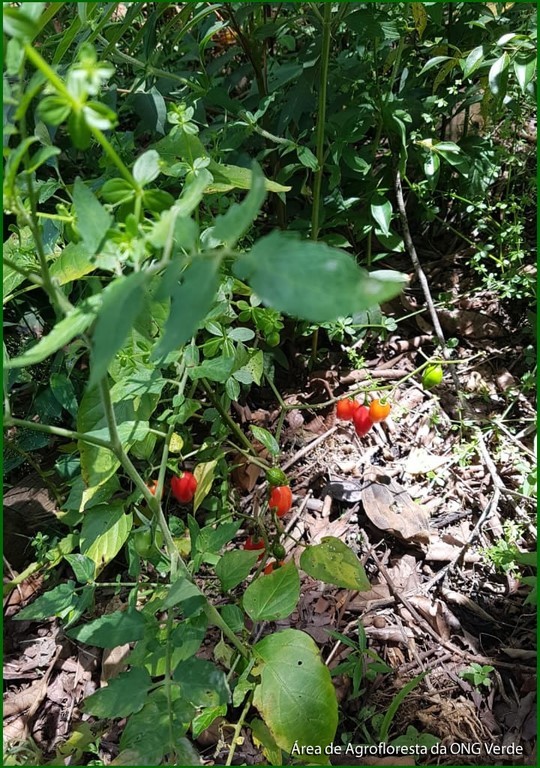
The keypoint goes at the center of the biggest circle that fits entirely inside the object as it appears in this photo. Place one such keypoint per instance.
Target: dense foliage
(189, 191)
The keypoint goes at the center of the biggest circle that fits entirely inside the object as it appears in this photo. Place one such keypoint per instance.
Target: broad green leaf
(267, 439)
(434, 62)
(62, 333)
(146, 167)
(158, 729)
(310, 280)
(111, 630)
(273, 596)
(204, 474)
(99, 464)
(123, 695)
(203, 684)
(104, 532)
(525, 68)
(192, 293)
(121, 303)
(187, 637)
(230, 227)
(498, 75)
(183, 592)
(56, 602)
(234, 567)
(93, 220)
(333, 562)
(381, 210)
(64, 392)
(73, 263)
(53, 110)
(19, 23)
(307, 158)
(218, 369)
(473, 60)
(263, 738)
(116, 191)
(20, 249)
(227, 177)
(295, 697)
(83, 567)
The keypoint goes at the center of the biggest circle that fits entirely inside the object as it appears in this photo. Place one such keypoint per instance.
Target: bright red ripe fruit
(252, 543)
(362, 421)
(378, 411)
(281, 500)
(183, 488)
(273, 566)
(345, 409)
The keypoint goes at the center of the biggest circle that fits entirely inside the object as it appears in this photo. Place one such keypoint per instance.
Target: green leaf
(295, 697)
(230, 227)
(64, 393)
(122, 696)
(219, 369)
(307, 158)
(310, 280)
(121, 303)
(99, 464)
(62, 333)
(234, 567)
(104, 532)
(111, 630)
(267, 439)
(333, 562)
(227, 177)
(498, 75)
(204, 474)
(191, 299)
(73, 263)
(19, 23)
(273, 596)
(53, 110)
(93, 221)
(83, 567)
(381, 210)
(203, 684)
(56, 602)
(146, 167)
(183, 592)
(473, 61)
(525, 68)
(116, 191)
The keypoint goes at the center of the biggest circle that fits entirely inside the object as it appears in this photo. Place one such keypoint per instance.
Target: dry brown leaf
(113, 662)
(26, 699)
(390, 508)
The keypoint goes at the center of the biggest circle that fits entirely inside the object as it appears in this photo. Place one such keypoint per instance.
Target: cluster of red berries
(362, 416)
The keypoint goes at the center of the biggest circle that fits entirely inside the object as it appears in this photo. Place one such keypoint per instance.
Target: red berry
(183, 488)
(252, 543)
(362, 421)
(345, 409)
(280, 499)
(273, 566)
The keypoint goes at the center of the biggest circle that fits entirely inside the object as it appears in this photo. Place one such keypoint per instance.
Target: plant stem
(11, 421)
(226, 417)
(321, 119)
(155, 506)
(215, 618)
